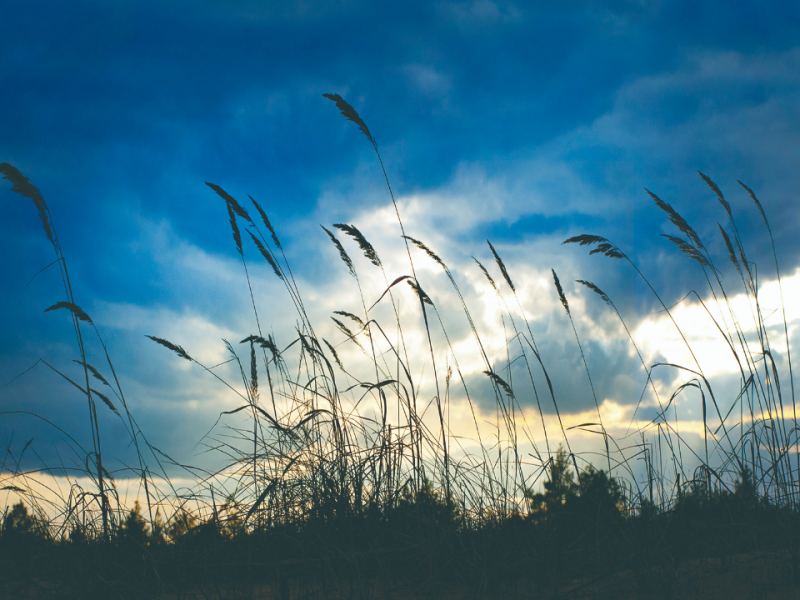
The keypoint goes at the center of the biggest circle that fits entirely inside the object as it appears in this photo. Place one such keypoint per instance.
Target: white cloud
(199, 336)
(659, 336)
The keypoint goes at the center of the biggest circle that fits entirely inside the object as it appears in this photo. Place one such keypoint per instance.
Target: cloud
(427, 80)
(480, 13)
(521, 125)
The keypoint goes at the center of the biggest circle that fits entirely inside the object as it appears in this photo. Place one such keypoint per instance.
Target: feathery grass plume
(344, 328)
(354, 233)
(687, 249)
(677, 220)
(23, 186)
(502, 267)
(603, 245)
(266, 222)
(560, 290)
(267, 343)
(743, 261)
(716, 190)
(426, 250)
(106, 400)
(237, 237)
(270, 345)
(94, 371)
(729, 246)
(758, 204)
(420, 292)
(74, 309)
(12, 488)
(335, 355)
(342, 252)
(266, 254)
(233, 207)
(499, 381)
(231, 202)
(350, 113)
(253, 373)
(350, 316)
(485, 272)
(177, 349)
(596, 290)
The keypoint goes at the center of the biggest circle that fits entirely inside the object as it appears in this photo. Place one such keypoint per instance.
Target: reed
(340, 484)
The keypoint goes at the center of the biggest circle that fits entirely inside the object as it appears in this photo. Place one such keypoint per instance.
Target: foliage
(134, 527)
(17, 522)
(598, 494)
(595, 494)
(560, 486)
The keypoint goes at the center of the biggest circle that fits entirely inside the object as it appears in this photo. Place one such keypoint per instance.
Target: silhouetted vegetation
(348, 490)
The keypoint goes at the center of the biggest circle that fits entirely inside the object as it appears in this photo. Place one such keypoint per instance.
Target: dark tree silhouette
(18, 522)
(134, 526)
(559, 488)
(599, 494)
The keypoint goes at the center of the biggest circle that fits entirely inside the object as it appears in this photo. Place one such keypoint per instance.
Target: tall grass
(341, 483)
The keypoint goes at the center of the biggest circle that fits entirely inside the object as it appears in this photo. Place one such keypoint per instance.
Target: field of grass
(350, 483)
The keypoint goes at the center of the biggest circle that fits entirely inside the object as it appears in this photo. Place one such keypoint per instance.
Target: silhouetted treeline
(580, 528)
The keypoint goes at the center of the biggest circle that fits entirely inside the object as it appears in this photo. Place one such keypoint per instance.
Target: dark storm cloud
(614, 375)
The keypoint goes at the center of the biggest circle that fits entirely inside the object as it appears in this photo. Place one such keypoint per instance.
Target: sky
(519, 123)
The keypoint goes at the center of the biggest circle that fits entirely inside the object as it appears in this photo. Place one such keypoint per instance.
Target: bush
(18, 523)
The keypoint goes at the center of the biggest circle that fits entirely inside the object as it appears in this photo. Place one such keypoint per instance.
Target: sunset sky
(521, 123)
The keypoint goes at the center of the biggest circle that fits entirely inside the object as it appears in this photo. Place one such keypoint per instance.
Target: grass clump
(340, 483)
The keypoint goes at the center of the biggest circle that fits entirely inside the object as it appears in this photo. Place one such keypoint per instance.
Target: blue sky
(521, 123)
